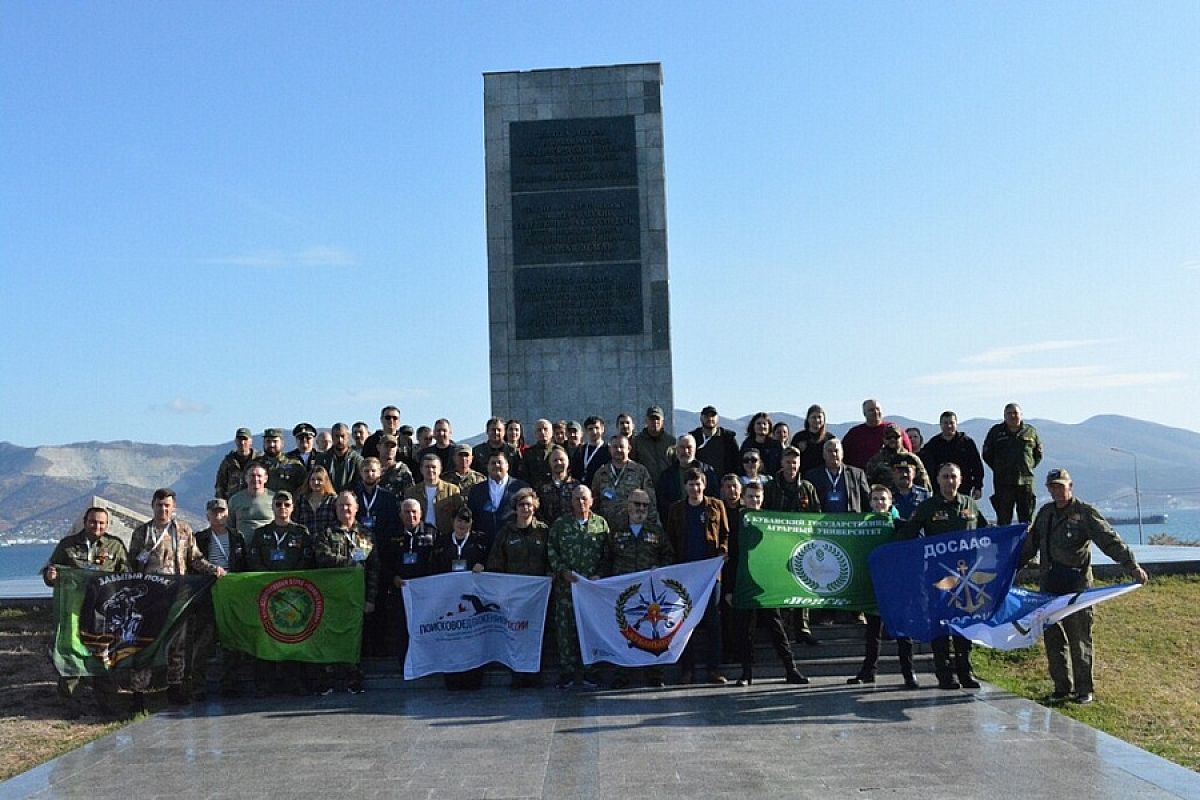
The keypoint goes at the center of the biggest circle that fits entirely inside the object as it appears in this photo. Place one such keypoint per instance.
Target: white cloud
(316, 256)
(1045, 379)
(181, 405)
(1001, 355)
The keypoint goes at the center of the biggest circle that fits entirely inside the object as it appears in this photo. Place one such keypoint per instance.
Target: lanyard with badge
(410, 555)
(459, 564)
(358, 549)
(368, 520)
(611, 492)
(836, 495)
(144, 556)
(278, 554)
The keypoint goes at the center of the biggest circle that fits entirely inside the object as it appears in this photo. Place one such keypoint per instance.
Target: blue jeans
(710, 626)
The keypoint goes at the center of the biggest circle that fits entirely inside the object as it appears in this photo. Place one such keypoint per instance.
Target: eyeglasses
(283, 503)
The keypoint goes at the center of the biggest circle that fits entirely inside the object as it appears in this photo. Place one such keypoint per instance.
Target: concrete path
(827, 740)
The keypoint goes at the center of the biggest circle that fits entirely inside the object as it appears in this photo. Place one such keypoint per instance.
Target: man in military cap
(92, 549)
(1061, 535)
(305, 435)
(283, 472)
(716, 446)
(461, 472)
(226, 548)
(653, 444)
(574, 437)
(638, 545)
(397, 477)
(230, 474)
(280, 546)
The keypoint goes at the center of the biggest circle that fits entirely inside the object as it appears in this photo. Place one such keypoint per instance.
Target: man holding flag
(946, 512)
(1060, 535)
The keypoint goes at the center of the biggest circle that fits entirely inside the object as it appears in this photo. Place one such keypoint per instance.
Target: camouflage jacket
(611, 487)
(576, 546)
(173, 552)
(338, 547)
(230, 475)
(284, 472)
(397, 479)
(634, 553)
(80, 552)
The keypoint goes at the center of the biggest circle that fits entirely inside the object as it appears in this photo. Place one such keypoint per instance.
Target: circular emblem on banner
(290, 609)
(821, 567)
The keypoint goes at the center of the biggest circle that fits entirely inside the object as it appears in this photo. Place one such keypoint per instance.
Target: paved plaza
(827, 740)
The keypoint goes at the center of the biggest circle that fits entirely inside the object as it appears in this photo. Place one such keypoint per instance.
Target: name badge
(458, 565)
(278, 555)
(359, 554)
(609, 494)
(143, 557)
(409, 558)
(369, 521)
(836, 496)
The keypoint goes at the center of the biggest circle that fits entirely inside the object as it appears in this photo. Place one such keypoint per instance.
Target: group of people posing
(575, 501)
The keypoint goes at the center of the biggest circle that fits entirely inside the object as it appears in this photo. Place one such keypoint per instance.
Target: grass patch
(1147, 670)
(32, 728)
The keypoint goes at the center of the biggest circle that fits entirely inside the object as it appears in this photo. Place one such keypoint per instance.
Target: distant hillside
(43, 490)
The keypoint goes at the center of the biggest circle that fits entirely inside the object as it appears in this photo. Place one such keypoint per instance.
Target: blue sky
(216, 214)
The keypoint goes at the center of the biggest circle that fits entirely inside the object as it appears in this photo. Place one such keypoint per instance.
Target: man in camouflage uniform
(283, 471)
(397, 477)
(280, 546)
(1061, 534)
(636, 546)
(230, 474)
(462, 475)
(166, 546)
(349, 545)
(615, 480)
(579, 543)
(92, 549)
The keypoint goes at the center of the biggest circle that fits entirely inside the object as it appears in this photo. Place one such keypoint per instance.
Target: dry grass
(32, 727)
(1147, 669)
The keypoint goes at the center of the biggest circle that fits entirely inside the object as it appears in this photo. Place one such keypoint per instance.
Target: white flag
(642, 618)
(1027, 614)
(462, 620)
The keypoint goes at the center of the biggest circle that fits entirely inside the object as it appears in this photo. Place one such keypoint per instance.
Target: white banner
(1028, 614)
(462, 620)
(642, 618)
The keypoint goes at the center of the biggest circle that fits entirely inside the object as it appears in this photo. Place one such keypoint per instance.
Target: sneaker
(717, 678)
(356, 688)
(328, 690)
(1085, 698)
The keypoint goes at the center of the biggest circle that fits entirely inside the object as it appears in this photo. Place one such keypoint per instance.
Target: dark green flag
(312, 615)
(808, 560)
(119, 620)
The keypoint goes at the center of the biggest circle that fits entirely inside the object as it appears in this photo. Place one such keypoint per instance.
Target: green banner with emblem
(309, 615)
(788, 560)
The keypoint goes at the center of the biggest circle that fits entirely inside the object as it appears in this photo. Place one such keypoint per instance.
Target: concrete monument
(578, 306)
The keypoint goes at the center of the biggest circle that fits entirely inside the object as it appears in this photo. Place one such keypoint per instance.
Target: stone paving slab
(826, 740)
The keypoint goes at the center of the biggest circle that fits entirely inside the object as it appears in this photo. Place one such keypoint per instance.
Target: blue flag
(1025, 615)
(923, 585)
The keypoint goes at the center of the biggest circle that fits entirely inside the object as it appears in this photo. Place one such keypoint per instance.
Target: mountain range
(44, 490)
